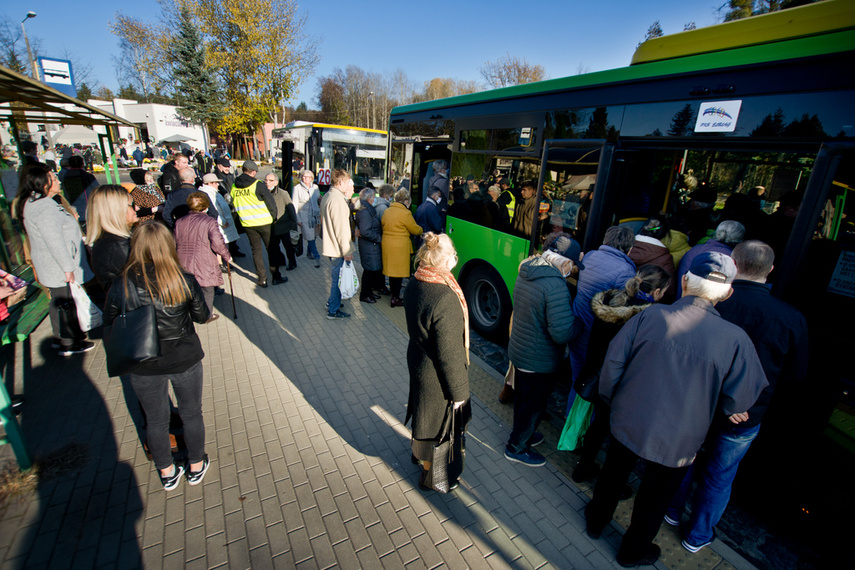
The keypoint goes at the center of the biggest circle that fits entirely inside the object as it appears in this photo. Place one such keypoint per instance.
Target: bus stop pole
(105, 154)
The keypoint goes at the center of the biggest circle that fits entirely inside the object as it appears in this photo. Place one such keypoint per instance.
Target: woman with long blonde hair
(110, 216)
(153, 276)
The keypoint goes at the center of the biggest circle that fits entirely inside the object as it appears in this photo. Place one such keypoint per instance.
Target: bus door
(573, 173)
(413, 161)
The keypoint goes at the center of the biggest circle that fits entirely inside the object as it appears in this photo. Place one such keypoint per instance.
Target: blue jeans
(335, 292)
(724, 452)
(313, 249)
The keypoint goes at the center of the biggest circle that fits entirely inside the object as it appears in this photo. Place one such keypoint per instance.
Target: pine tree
(196, 89)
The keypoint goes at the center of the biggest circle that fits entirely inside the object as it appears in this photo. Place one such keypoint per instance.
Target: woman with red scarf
(438, 352)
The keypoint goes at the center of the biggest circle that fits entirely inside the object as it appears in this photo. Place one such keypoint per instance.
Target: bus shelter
(24, 101)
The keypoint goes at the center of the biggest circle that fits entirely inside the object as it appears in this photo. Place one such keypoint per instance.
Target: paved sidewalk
(310, 460)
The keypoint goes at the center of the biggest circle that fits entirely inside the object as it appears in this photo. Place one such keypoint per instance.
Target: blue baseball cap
(714, 266)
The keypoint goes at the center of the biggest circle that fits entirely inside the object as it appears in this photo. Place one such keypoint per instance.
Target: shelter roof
(27, 100)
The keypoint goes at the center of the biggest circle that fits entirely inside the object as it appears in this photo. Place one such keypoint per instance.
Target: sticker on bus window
(717, 117)
(843, 280)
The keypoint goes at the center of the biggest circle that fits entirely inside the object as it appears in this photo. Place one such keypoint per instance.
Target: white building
(154, 122)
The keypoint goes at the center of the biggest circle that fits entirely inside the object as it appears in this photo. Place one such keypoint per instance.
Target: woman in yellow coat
(398, 225)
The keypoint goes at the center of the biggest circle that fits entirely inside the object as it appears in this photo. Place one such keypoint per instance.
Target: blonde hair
(402, 196)
(436, 250)
(107, 212)
(198, 202)
(152, 245)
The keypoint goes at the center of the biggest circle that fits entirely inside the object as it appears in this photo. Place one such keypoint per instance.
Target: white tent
(75, 134)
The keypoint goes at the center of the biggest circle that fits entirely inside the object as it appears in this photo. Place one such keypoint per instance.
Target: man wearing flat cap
(256, 209)
(669, 372)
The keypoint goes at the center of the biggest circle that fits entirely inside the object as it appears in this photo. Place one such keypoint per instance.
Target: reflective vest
(251, 211)
(511, 204)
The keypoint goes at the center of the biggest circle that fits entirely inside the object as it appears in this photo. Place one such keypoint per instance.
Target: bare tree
(140, 63)
(511, 70)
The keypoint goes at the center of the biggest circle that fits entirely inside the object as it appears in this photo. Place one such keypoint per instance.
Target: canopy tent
(75, 134)
(176, 139)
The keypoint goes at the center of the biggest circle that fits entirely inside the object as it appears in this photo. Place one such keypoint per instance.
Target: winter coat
(398, 225)
(667, 374)
(428, 218)
(685, 263)
(109, 256)
(543, 318)
(179, 344)
(199, 241)
(606, 268)
(287, 219)
(56, 244)
(380, 206)
(170, 180)
(678, 244)
(370, 237)
(436, 355)
(308, 211)
(335, 220)
(176, 205)
(779, 333)
(648, 250)
(225, 221)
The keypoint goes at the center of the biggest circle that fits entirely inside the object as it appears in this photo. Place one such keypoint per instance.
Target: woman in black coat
(111, 213)
(438, 352)
(370, 236)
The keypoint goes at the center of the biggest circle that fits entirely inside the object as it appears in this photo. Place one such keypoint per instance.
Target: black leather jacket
(172, 322)
(109, 256)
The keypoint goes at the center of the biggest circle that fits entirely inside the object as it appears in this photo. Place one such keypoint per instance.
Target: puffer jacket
(199, 241)
(370, 236)
(543, 318)
(172, 322)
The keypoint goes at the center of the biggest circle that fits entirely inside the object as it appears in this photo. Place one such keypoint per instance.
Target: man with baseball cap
(669, 372)
(256, 209)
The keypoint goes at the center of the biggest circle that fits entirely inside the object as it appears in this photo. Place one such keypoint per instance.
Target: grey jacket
(56, 244)
(669, 371)
(543, 318)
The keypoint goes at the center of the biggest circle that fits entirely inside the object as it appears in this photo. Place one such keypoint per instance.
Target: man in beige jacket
(337, 243)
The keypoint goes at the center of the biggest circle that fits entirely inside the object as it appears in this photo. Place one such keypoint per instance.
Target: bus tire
(489, 303)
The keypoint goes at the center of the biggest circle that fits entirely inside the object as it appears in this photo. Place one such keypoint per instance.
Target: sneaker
(169, 483)
(692, 548)
(338, 315)
(55, 343)
(672, 522)
(195, 477)
(317, 262)
(77, 348)
(530, 458)
(536, 439)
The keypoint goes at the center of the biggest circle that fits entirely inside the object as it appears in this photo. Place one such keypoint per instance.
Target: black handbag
(449, 455)
(587, 385)
(69, 325)
(131, 339)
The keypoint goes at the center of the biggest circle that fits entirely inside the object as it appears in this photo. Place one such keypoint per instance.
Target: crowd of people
(679, 349)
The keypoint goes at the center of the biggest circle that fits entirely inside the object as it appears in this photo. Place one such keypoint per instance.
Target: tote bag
(131, 339)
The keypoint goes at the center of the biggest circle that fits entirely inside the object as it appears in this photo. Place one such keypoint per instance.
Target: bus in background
(322, 148)
(751, 120)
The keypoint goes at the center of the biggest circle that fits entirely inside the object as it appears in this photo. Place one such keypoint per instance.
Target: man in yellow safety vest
(256, 209)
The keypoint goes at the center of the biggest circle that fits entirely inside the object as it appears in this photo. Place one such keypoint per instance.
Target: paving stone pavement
(310, 461)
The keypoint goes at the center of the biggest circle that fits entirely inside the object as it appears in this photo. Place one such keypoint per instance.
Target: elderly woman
(370, 236)
(398, 225)
(56, 247)
(110, 215)
(307, 201)
(199, 241)
(146, 194)
(438, 352)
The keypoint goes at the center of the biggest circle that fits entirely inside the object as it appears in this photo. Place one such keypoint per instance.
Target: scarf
(641, 295)
(435, 275)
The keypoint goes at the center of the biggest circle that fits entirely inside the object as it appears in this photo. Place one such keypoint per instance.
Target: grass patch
(15, 483)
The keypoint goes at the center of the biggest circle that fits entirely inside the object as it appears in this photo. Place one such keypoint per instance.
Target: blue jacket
(606, 268)
(427, 216)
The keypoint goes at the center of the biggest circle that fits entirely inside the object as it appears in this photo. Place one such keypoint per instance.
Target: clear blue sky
(444, 38)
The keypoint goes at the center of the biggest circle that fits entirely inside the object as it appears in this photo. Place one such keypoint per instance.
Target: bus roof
(300, 124)
(661, 58)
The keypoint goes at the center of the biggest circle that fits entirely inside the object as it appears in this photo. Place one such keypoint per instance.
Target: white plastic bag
(88, 315)
(348, 282)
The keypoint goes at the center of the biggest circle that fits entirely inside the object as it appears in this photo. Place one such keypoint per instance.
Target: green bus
(760, 110)
(614, 146)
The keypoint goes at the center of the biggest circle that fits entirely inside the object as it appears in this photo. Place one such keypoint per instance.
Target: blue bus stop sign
(58, 74)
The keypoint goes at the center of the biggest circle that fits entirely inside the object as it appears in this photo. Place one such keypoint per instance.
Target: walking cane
(231, 289)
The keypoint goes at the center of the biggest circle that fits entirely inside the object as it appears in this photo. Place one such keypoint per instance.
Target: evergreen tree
(195, 87)
(84, 92)
(682, 121)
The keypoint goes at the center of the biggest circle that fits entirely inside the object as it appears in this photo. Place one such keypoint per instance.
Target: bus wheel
(489, 303)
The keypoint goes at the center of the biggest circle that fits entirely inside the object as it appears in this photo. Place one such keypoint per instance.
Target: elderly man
(176, 202)
(525, 212)
(285, 223)
(727, 235)
(669, 372)
(256, 209)
(428, 214)
(779, 333)
(337, 244)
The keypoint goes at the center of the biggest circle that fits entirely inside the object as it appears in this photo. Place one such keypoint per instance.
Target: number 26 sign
(324, 177)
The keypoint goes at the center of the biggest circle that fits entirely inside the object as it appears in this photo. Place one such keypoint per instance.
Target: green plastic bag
(576, 425)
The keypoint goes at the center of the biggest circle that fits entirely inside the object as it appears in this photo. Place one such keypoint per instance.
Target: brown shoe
(507, 395)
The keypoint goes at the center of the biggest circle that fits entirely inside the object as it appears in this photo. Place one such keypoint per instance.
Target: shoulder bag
(131, 339)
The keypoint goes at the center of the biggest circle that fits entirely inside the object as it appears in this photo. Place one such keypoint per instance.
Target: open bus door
(412, 161)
